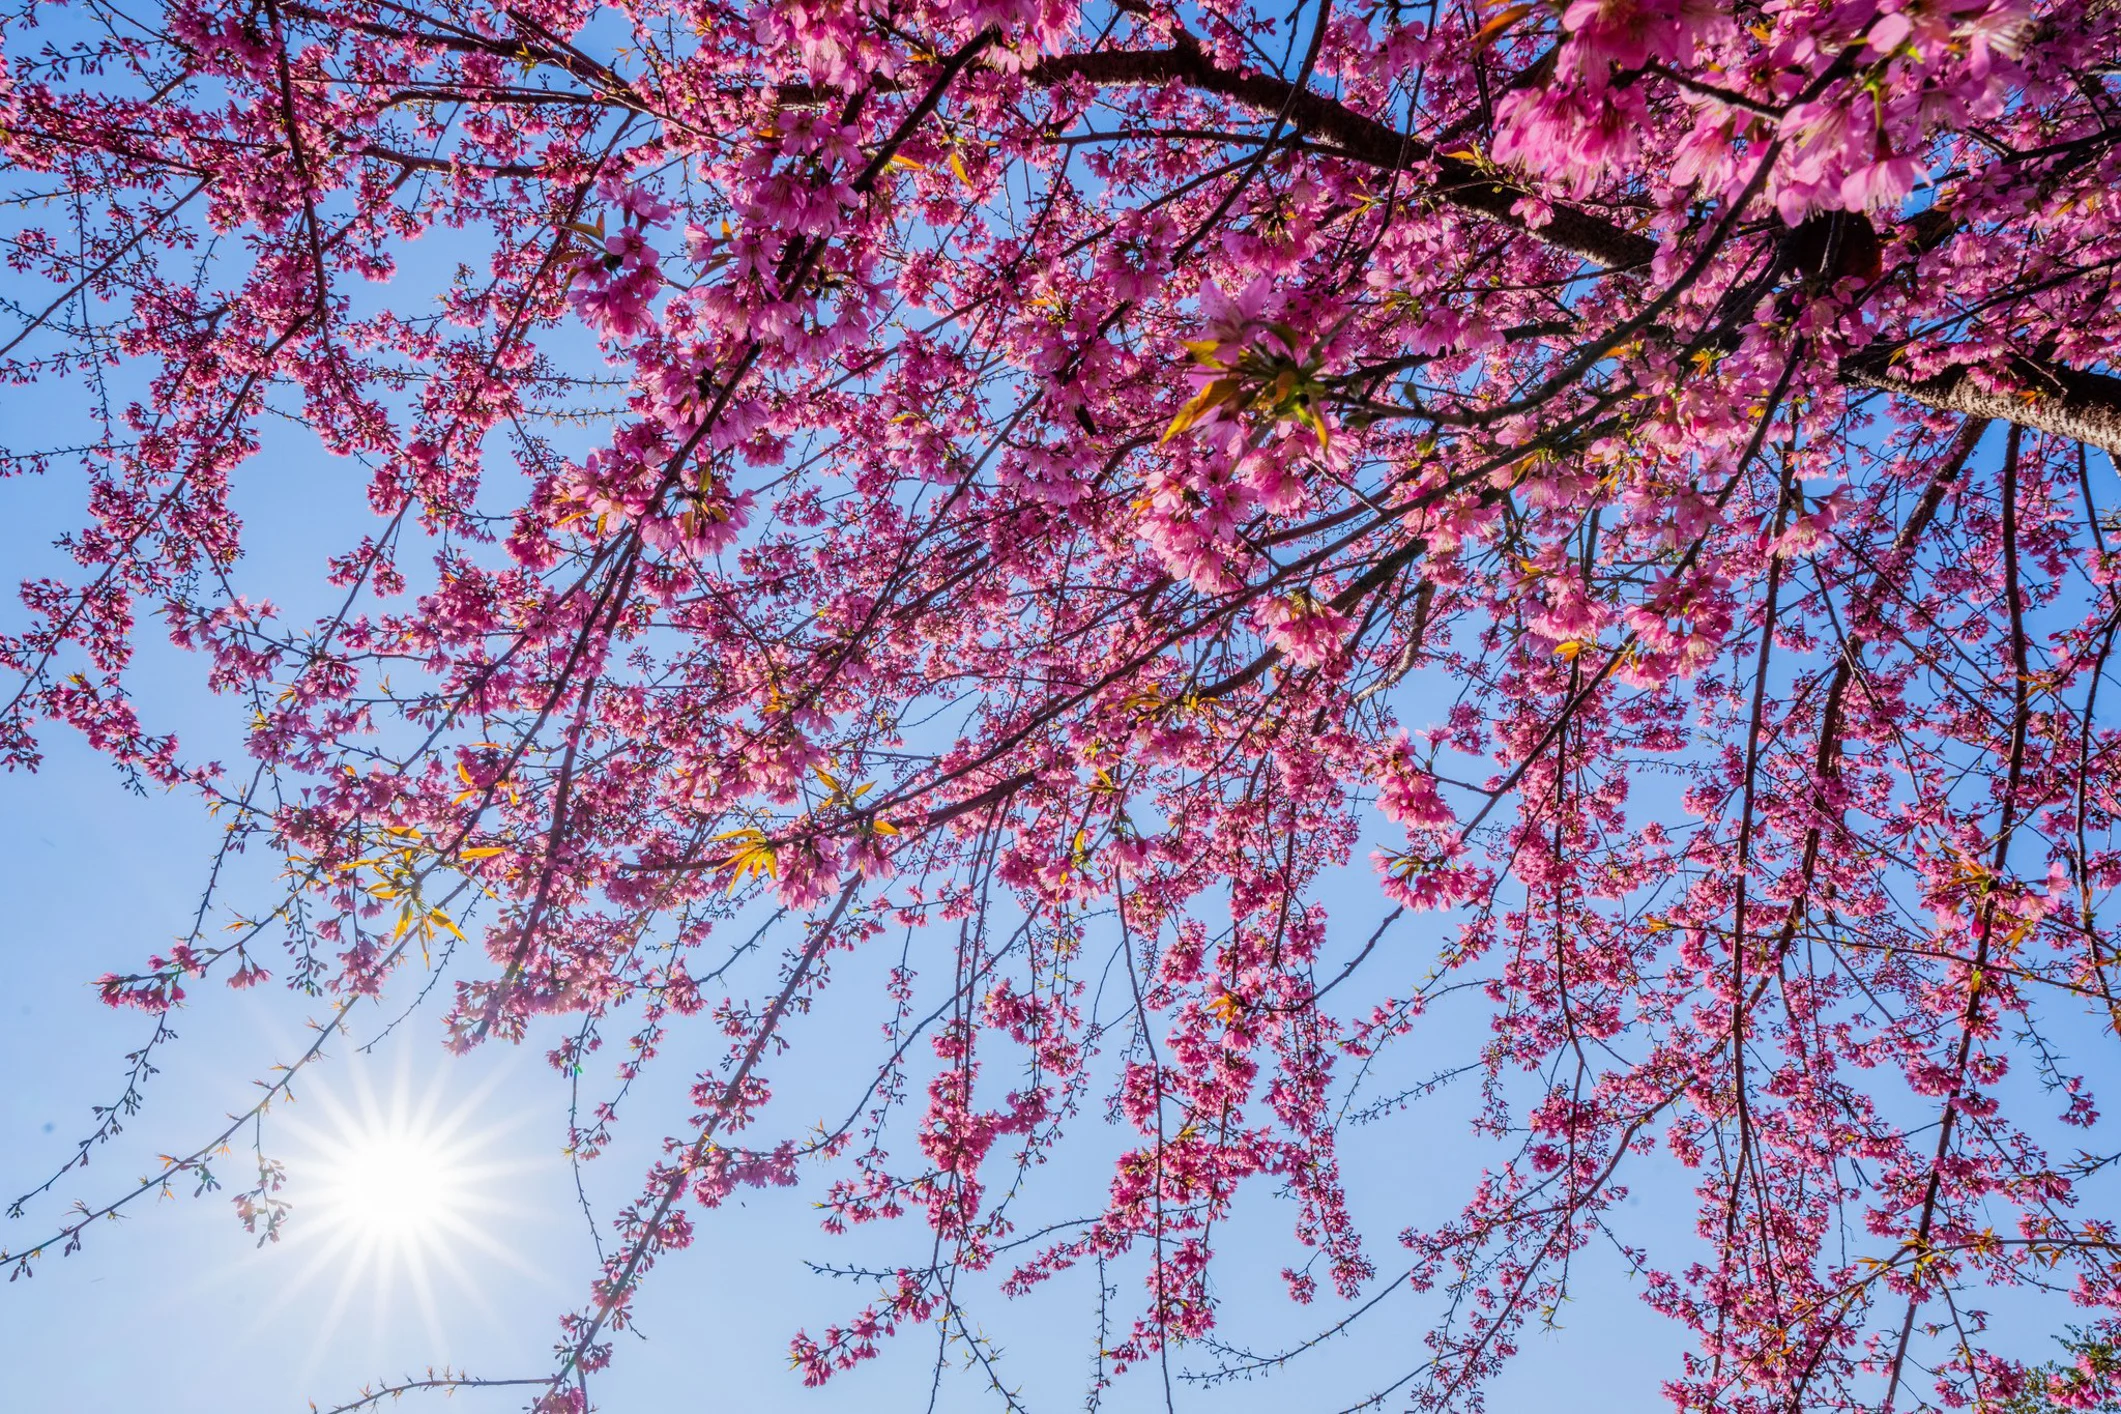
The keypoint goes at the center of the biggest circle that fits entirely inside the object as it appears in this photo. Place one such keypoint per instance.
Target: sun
(396, 1183)
(401, 1193)
(393, 1187)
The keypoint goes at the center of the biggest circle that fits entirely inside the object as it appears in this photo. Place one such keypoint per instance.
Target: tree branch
(1457, 181)
(2085, 407)
(2053, 399)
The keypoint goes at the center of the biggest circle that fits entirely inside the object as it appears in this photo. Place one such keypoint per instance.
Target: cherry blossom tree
(1608, 497)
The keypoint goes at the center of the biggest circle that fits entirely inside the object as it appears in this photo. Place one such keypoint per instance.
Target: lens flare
(400, 1197)
(393, 1187)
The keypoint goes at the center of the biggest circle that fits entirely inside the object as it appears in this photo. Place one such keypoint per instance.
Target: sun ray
(397, 1182)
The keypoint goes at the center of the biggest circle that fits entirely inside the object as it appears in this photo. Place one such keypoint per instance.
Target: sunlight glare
(401, 1195)
(392, 1186)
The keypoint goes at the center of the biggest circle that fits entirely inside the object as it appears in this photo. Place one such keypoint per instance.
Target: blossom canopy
(1203, 534)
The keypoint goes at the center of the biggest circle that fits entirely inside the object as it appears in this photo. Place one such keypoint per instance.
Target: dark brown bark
(2085, 407)
(2061, 401)
(1458, 182)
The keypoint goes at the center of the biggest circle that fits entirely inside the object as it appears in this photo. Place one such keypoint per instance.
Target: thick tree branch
(2053, 399)
(2049, 398)
(1457, 181)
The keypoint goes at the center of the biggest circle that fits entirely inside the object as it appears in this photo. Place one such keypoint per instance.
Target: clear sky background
(174, 1308)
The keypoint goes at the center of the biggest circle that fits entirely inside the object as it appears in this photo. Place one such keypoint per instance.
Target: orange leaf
(1220, 391)
(1493, 29)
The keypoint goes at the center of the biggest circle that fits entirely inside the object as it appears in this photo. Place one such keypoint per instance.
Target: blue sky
(175, 1307)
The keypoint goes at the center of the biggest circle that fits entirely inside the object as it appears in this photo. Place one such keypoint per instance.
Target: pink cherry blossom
(1194, 570)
